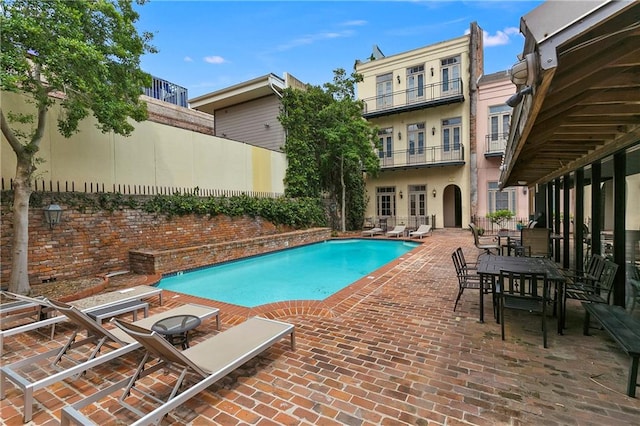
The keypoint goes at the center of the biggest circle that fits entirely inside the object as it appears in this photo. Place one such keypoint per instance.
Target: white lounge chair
(397, 231)
(87, 304)
(209, 361)
(371, 232)
(421, 231)
(98, 338)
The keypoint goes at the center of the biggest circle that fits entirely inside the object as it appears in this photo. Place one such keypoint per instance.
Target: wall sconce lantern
(267, 125)
(52, 215)
(401, 195)
(433, 131)
(399, 136)
(434, 193)
(398, 78)
(431, 71)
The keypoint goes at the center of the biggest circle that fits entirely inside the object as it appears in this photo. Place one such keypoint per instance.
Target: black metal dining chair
(534, 242)
(592, 288)
(524, 292)
(465, 279)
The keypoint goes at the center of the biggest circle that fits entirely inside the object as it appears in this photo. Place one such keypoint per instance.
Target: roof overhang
(582, 81)
(259, 87)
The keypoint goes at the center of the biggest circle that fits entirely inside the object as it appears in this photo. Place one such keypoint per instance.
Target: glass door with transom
(416, 150)
(450, 76)
(417, 205)
(415, 84)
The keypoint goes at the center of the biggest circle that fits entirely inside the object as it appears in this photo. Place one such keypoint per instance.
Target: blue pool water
(311, 272)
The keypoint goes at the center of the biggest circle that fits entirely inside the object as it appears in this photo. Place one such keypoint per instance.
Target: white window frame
(500, 200)
(385, 148)
(450, 72)
(384, 91)
(386, 201)
(451, 134)
(415, 83)
(416, 139)
(418, 200)
(499, 122)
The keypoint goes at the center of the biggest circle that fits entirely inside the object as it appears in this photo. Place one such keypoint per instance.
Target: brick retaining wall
(94, 243)
(181, 259)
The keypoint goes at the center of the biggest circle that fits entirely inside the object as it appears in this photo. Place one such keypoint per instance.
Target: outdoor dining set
(519, 274)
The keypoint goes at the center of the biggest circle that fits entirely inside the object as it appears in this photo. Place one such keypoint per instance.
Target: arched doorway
(452, 207)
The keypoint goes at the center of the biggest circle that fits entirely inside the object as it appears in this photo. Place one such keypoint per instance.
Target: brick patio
(387, 350)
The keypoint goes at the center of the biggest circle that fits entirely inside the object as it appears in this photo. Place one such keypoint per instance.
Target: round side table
(176, 328)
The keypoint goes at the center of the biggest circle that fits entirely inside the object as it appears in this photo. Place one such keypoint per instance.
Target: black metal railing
(168, 92)
(41, 185)
(490, 228)
(415, 97)
(422, 156)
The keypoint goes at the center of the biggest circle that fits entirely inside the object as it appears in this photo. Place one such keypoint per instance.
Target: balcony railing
(495, 144)
(428, 96)
(167, 91)
(431, 155)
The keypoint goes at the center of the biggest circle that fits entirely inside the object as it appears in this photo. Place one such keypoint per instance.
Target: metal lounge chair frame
(209, 361)
(87, 304)
(119, 342)
(21, 306)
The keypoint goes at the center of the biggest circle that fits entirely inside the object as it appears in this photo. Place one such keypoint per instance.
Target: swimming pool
(311, 272)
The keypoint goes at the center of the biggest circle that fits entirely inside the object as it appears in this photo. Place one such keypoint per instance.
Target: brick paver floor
(388, 350)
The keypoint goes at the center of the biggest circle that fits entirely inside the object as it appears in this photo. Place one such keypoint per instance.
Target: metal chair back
(535, 242)
(525, 292)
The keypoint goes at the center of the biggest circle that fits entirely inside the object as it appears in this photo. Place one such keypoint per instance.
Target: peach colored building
(493, 118)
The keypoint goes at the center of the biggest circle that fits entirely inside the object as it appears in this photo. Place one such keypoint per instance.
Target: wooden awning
(585, 92)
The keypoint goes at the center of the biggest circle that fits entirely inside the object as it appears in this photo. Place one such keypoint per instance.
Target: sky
(208, 45)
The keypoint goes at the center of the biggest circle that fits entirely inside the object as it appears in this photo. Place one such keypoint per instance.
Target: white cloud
(188, 59)
(500, 38)
(354, 23)
(312, 38)
(214, 59)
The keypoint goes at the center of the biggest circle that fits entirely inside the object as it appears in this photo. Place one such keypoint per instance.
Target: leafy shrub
(295, 212)
(500, 216)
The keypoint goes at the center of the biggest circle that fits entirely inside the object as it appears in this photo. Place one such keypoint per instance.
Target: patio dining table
(489, 267)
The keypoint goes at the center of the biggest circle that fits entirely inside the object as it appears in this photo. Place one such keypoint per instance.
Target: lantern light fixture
(52, 215)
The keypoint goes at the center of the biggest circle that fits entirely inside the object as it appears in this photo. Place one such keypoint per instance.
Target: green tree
(299, 116)
(87, 53)
(499, 217)
(349, 141)
(329, 145)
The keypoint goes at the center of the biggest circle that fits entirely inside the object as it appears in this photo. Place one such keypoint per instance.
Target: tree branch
(11, 137)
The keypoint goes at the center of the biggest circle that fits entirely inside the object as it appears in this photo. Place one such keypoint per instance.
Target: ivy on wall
(295, 212)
